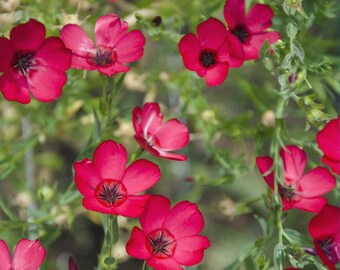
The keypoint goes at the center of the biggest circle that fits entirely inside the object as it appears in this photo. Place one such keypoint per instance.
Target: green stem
(144, 266)
(136, 154)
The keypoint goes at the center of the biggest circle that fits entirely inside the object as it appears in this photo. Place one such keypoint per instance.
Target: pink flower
(212, 52)
(114, 45)
(157, 137)
(328, 140)
(28, 255)
(32, 63)
(169, 237)
(324, 229)
(250, 29)
(108, 187)
(300, 191)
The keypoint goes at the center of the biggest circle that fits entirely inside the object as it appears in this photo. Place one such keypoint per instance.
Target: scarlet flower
(108, 187)
(157, 137)
(300, 191)
(32, 63)
(328, 140)
(324, 229)
(212, 52)
(28, 255)
(168, 238)
(114, 45)
(250, 29)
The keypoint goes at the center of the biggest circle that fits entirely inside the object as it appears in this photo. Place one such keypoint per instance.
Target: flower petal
(110, 160)
(231, 51)
(53, 53)
(217, 74)
(130, 47)
(5, 260)
(259, 18)
(109, 29)
(136, 247)
(76, 39)
(211, 34)
(333, 164)
(133, 206)
(310, 204)
(172, 135)
(28, 255)
(190, 250)
(164, 264)
(234, 13)
(6, 54)
(14, 87)
(151, 118)
(316, 182)
(28, 36)
(91, 203)
(136, 116)
(154, 214)
(86, 177)
(172, 156)
(46, 83)
(141, 175)
(265, 164)
(184, 219)
(113, 69)
(294, 162)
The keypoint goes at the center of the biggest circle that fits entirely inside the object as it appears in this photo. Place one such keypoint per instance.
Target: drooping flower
(300, 190)
(324, 229)
(169, 237)
(114, 47)
(32, 64)
(28, 255)
(328, 140)
(157, 137)
(109, 187)
(212, 52)
(250, 29)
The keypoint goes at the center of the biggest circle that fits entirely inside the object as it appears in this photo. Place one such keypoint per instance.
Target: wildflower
(212, 52)
(109, 187)
(113, 49)
(169, 237)
(324, 229)
(301, 191)
(72, 264)
(28, 255)
(157, 137)
(250, 29)
(32, 64)
(328, 140)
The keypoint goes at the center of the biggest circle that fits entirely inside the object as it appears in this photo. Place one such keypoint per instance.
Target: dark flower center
(110, 193)
(208, 58)
(103, 57)
(288, 193)
(331, 248)
(241, 33)
(22, 62)
(161, 243)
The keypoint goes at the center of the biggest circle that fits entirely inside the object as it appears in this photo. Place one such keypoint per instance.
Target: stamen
(22, 62)
(241, 33)
(111, 193)
(103, 58)
(161, 243)
(207, 58)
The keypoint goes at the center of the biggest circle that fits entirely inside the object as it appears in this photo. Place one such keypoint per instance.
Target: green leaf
(298, 238)
(291, 31)
(298, 50)
(278, 255)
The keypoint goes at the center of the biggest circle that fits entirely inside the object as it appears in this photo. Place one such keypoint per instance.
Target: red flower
(114, 45)
(212, 52)
(301, 191)
(32, 63)
(72, 264)
(157, 137)
(250, 29)
(168, 238)
(328, 140)
(324, 228)
(28, 255)
(108, 187)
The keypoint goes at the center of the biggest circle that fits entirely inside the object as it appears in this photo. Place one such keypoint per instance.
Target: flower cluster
(216, 48)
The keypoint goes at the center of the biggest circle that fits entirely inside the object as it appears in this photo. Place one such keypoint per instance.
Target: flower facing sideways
(324, 229)
(212, 52)
(169, 237)
(113, 49)
(32, 64)
(328, 140)
(109, 187)
(157, 137)
(28, 255)
(250, 29)
(301, 191)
